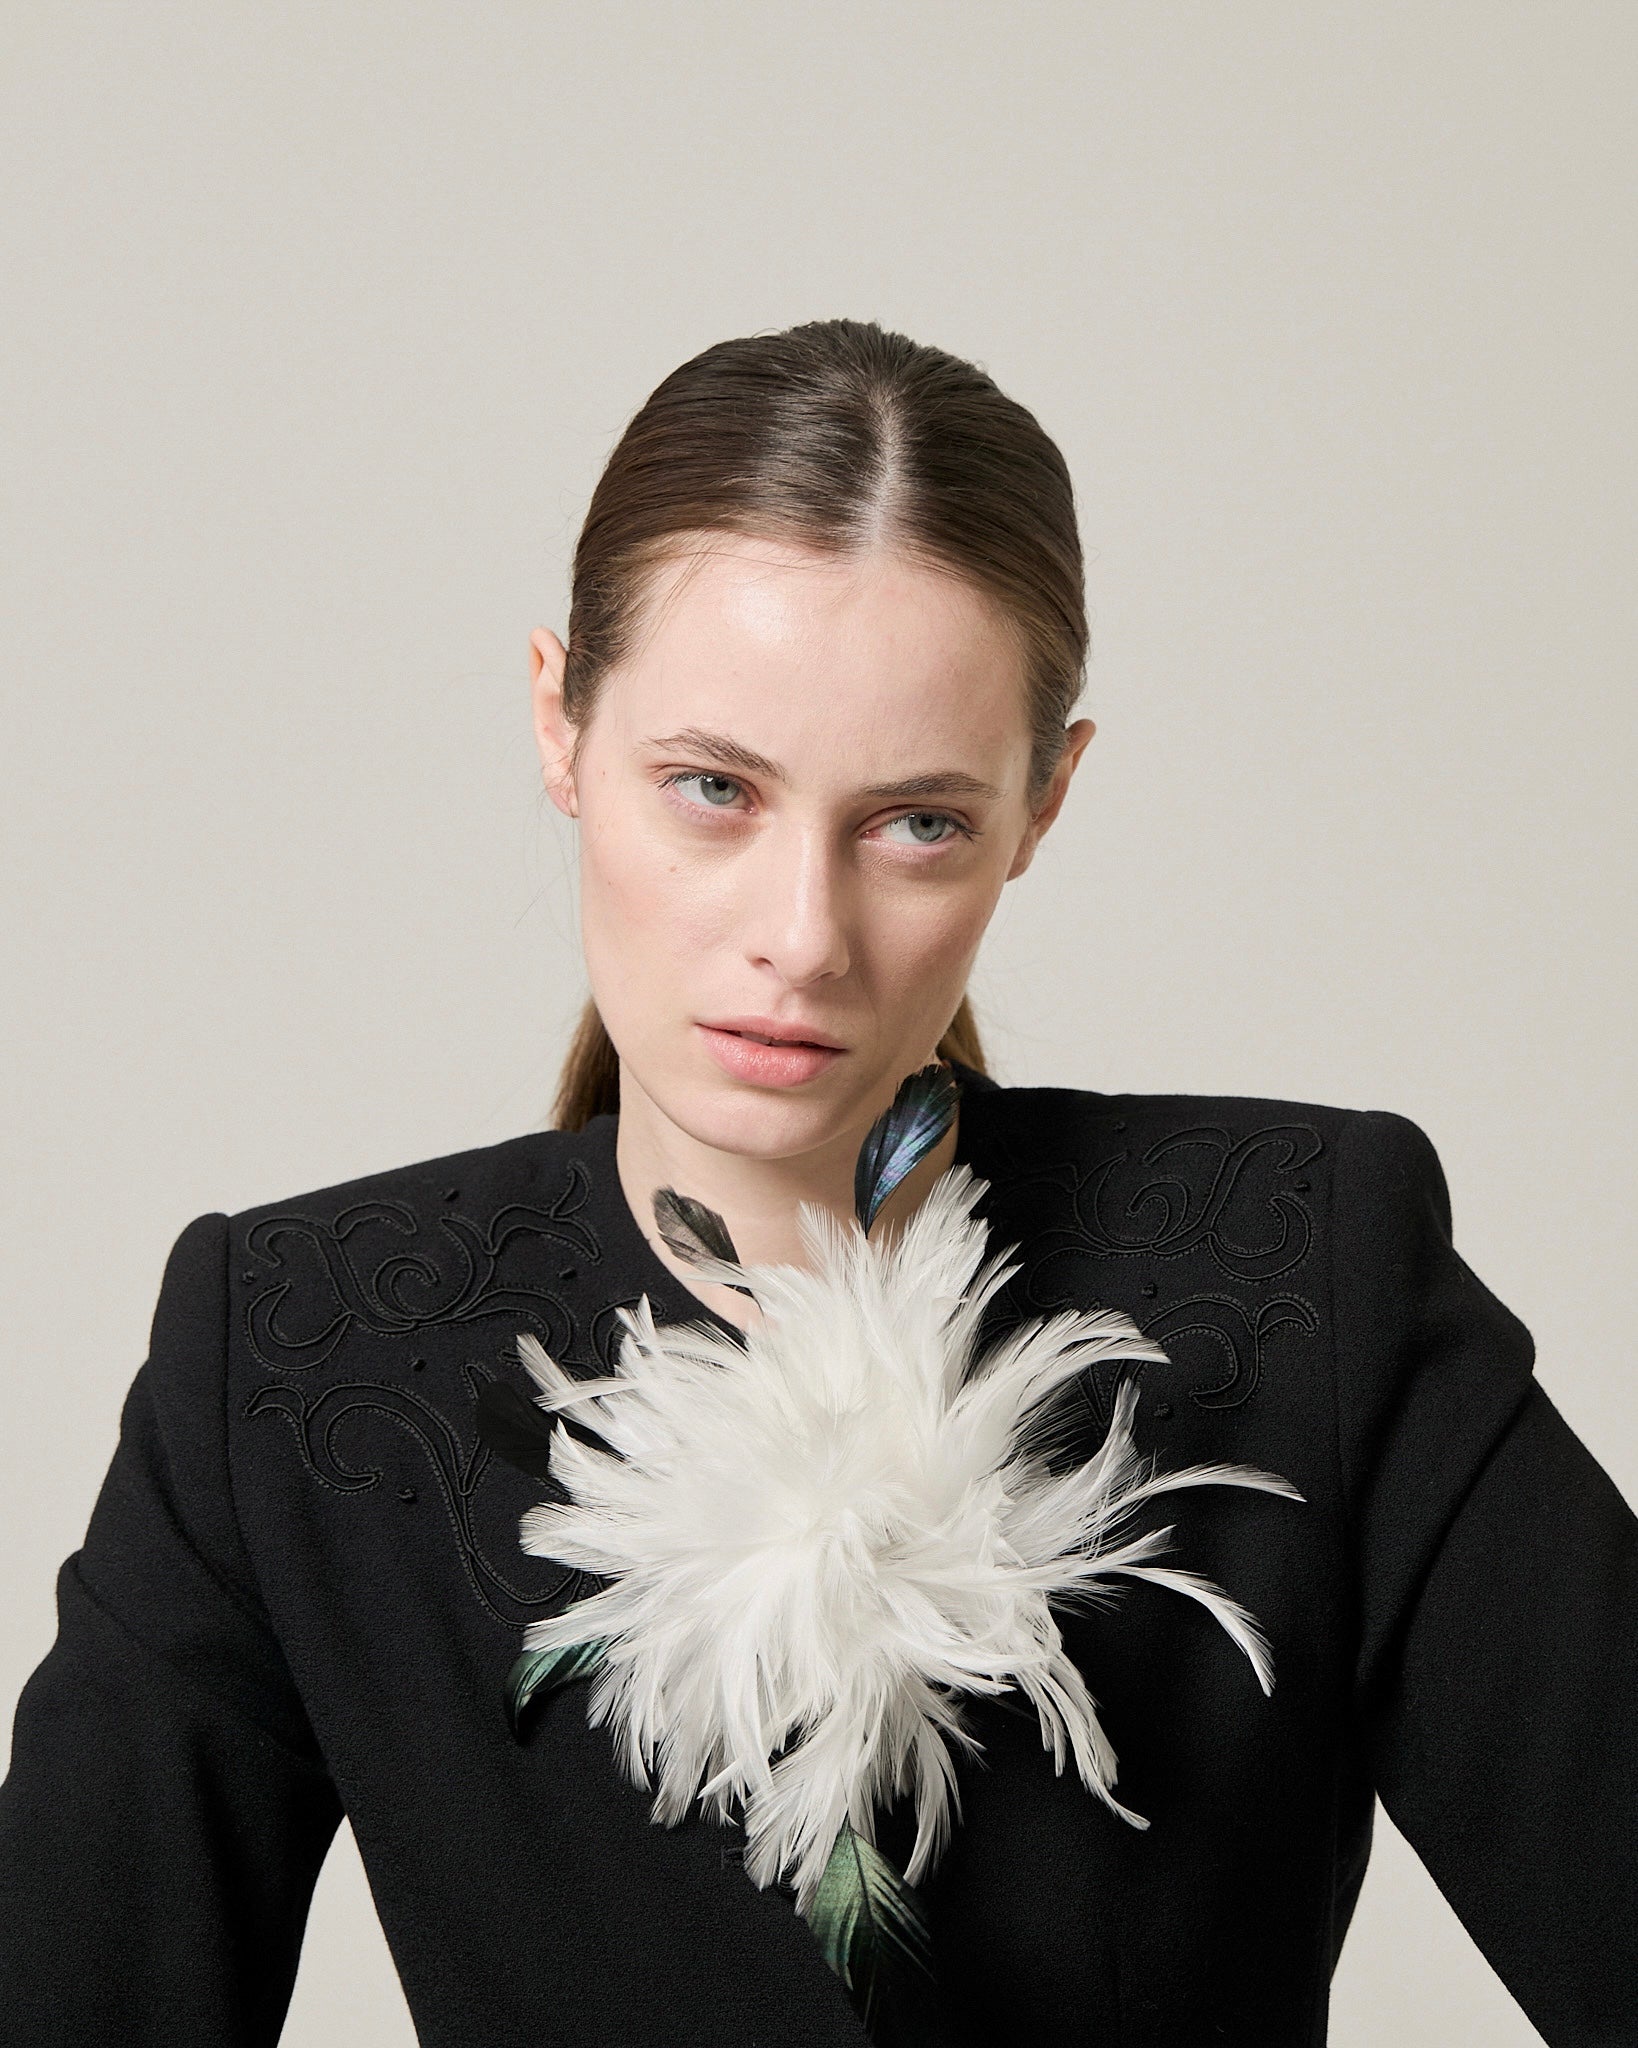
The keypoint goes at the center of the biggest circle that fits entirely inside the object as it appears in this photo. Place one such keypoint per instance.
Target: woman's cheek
(620, 922)
(648, 922)
(631, 878)
(934, 937)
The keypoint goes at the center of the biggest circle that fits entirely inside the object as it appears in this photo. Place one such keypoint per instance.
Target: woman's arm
(167, 1809)
(1498, 1581)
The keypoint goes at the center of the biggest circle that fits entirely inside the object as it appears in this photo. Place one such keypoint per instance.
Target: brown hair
(843, 436)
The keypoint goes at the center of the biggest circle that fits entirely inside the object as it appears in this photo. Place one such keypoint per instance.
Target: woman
(825, 638)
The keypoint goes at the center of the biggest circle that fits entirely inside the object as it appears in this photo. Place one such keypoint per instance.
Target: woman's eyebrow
(719, 747)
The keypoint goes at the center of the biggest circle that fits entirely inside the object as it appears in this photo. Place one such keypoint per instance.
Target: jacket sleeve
(166, 1809)
(1497, 1581)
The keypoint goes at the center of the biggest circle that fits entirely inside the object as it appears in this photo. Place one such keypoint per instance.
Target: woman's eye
(717, 791)
(721, 792)
(926, 827)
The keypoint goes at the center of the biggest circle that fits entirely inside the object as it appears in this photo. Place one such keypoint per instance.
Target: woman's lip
(771, 1030)
(767, 1066)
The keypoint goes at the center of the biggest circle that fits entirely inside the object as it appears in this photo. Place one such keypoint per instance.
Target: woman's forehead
(755, 629)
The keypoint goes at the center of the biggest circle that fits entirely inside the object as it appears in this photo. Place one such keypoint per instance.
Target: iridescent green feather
(905, 1132)
(541, 1671)
(870, 1926)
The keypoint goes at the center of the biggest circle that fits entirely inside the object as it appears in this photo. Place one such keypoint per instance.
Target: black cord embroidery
(383, 1269)
(1200, 1200)
(459, 1472)
(1241, 1330)
(406, 1290)
(1195, 1193)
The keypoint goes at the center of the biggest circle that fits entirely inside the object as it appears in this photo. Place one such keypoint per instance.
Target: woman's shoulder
(1172, 1121)
(1147, 1171)
(498, 1164)
(518, 1228)
(529, 1167)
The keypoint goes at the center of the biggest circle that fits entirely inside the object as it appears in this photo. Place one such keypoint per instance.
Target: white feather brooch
(815, 1539)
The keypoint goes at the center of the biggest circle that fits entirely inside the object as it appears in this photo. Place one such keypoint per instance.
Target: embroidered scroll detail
(1199, 1199)
(386, 1269)
(1193, 1195)
(457, 1469)
(452, 1276)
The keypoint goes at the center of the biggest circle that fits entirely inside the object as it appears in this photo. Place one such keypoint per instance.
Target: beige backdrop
(319, 321)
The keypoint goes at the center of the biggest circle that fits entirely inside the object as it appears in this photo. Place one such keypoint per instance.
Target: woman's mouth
(764, 1059)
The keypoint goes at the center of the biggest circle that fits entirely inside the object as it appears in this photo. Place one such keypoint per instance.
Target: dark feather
(541, 1671)
(693, 1231)
(905, 1132)
(872, 1930)
(514, 1429)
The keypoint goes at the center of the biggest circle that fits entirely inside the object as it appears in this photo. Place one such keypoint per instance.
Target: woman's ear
(554, 735)
(1076, 737)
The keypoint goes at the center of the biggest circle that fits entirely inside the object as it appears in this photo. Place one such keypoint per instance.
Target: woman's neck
(758, 1199)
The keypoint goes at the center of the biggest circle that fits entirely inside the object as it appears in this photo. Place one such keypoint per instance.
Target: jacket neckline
(629, 1245)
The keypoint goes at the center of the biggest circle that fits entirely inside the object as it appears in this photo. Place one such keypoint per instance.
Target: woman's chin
(766, 1122)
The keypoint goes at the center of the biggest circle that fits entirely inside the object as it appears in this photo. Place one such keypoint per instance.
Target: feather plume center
(814, 1538)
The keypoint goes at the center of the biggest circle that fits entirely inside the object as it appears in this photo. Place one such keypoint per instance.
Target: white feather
(815, 1541)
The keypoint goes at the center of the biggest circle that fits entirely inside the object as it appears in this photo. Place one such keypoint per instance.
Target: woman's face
(799, 800)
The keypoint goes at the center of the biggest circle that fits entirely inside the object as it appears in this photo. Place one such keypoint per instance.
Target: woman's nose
(797, 919)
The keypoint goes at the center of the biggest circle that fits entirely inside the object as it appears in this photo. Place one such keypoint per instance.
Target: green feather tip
(541, 1671)
(870, 1925)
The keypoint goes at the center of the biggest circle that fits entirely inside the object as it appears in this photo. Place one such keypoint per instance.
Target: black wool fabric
(301, 1591)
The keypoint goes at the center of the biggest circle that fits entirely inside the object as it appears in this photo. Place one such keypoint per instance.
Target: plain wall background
(318, 324)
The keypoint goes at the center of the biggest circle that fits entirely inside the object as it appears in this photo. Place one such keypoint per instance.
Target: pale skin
(738, 857)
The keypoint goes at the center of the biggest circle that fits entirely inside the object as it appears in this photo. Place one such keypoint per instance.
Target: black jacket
(302, 1589)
